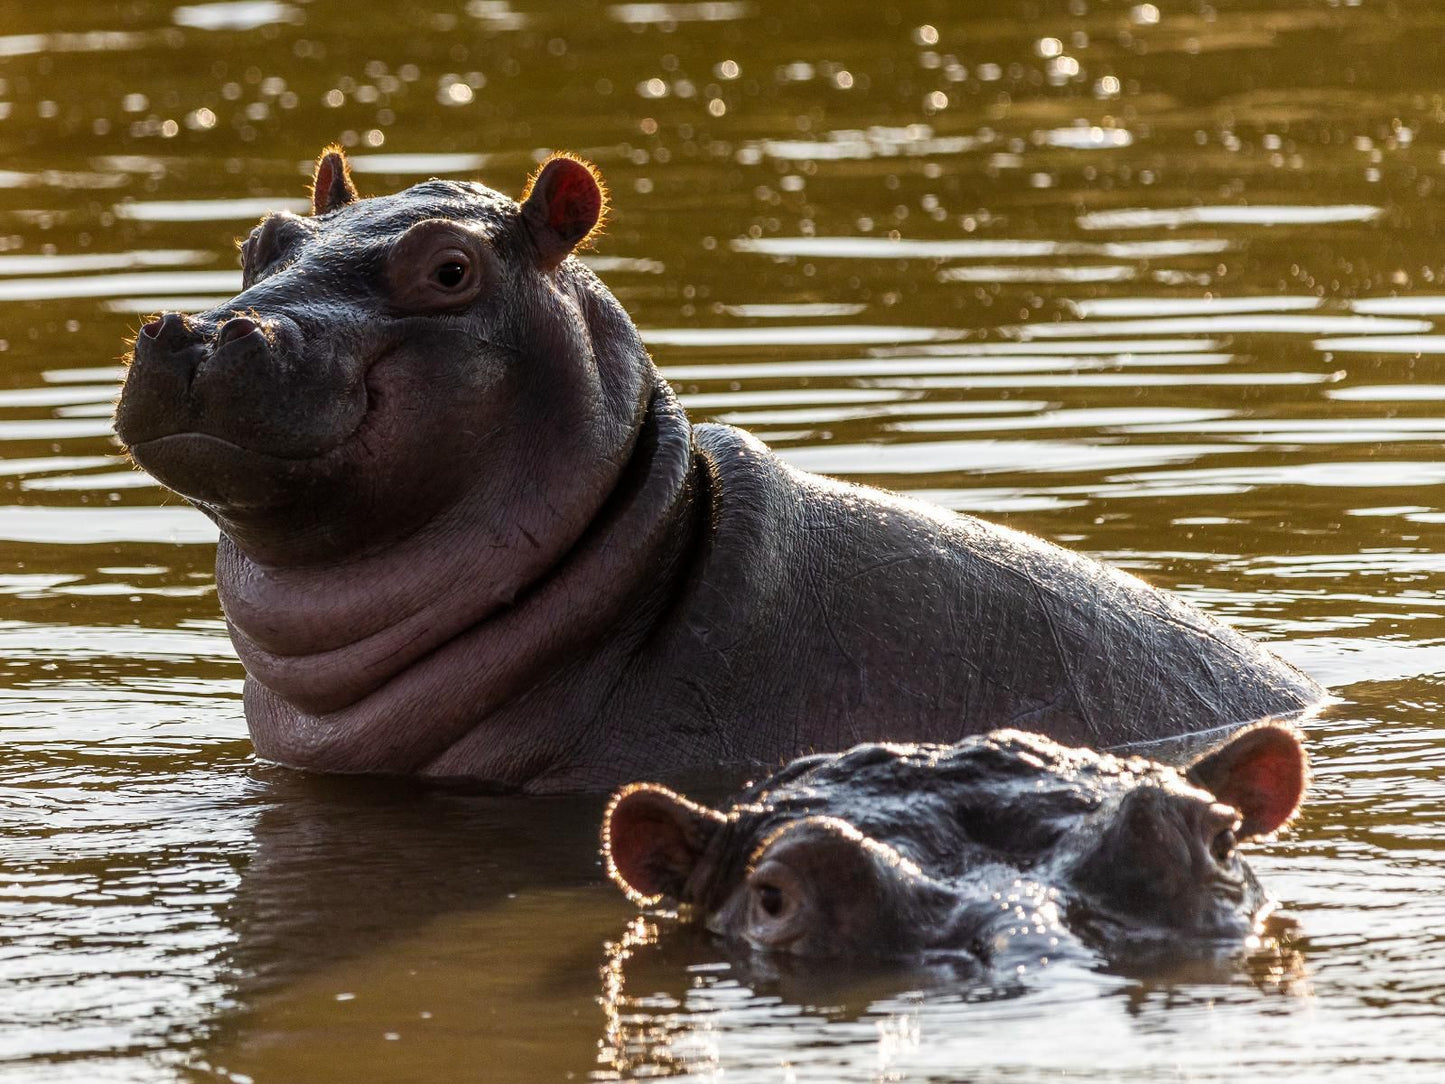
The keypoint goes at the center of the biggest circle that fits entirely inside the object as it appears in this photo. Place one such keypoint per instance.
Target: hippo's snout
(207, 394)
(187, 372)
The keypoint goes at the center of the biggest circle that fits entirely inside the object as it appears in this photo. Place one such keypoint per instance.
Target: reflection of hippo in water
(467, 530)
(897, 850)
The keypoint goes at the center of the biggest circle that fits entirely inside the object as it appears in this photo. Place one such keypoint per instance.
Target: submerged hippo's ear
(1262, 772)
(564, 206)
(652, 840)
(331, 185)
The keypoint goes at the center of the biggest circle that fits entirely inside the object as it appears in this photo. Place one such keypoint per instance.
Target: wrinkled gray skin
(899, 851)
(468, 531)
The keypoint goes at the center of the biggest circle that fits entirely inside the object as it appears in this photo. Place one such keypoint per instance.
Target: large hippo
(894, 851)
(467, 530)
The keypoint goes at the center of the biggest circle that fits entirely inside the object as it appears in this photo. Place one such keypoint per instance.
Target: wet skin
(468, 531)
(900, 851)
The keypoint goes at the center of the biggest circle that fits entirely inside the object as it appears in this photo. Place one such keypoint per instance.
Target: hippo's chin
(216, 472)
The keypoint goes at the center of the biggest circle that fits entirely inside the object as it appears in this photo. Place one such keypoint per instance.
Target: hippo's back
(828, 614)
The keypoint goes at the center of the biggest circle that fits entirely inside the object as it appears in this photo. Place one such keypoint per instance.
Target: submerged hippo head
(390, 359)
(893, 850)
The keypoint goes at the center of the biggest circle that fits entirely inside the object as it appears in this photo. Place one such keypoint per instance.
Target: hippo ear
(652, 840)
(563, 207)
(1262, 772)
(331, 186)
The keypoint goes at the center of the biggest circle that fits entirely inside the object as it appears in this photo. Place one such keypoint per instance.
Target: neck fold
(389, 661)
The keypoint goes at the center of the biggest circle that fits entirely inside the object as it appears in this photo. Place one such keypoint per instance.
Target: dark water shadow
(356, 887)
(342, 865)
(475, 922)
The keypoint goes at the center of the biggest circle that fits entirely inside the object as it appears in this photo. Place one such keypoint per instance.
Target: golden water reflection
(1158, 281)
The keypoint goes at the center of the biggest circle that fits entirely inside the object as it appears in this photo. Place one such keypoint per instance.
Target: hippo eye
(248, 260)
(1222, 846)
(770, 899)
(450, 275)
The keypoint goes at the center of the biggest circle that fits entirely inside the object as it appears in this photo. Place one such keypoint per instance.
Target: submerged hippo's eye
(450, 275)
(1222, 846)
(770, 899)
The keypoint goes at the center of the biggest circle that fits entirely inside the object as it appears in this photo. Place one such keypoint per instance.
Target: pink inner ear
(649, 848)
(1267, 788)
(325, 175)
(331, 187)
(636, 849)
(574, 202)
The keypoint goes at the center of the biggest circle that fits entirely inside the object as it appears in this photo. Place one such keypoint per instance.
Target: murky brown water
(1164, 284)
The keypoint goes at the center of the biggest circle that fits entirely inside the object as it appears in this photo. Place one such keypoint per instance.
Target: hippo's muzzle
(206, 396)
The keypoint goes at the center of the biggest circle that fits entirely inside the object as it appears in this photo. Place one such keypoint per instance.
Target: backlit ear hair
(1262, 772)
(331, 185)
(564, 207)
(652, 839)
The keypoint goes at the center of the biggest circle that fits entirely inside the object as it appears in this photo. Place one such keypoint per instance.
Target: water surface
(1163, 283)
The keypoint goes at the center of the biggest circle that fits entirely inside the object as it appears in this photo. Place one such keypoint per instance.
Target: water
(1161, 283)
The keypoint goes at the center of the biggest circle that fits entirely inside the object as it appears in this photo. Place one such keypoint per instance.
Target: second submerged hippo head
(390, 357)
(893, 851)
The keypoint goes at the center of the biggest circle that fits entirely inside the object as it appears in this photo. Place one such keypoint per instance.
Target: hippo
(921, 851)
(466, 530)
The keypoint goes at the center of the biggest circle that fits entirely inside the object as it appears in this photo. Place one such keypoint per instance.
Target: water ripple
(139, 282)
(992, 456)
(91, 526)
(418, 163)
(1389, 393)
(883, 248)
(102, 261)
(1233, 324)
(236, 15)
(207, 210)
(915, 141)
(63, 396)
(1386, 343)
(802, 335)
(94, 41)
(992, 273)
(793, 311)
(1189, 306)
(56, 178)
(1140, 218)
(709, 11)
(1415, 305)
(902, 365)
(1084, 138)
(1365, 474)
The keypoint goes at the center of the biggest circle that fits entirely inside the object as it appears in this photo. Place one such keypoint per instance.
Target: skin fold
(467, 530)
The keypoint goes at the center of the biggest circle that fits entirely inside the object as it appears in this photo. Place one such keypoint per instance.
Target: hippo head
(393, 359)
(898, 850)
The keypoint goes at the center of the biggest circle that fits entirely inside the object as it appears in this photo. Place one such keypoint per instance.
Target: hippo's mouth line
(355, 435)
(229, 445)
(366, 385)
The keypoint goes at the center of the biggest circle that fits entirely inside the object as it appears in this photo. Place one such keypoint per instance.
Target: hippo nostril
(168, 329)
(236, 328)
